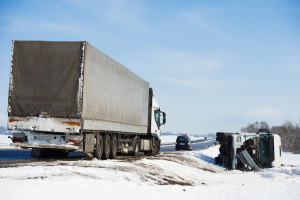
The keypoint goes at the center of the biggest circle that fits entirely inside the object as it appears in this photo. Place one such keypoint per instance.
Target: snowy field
(5, 141)
(169, 175)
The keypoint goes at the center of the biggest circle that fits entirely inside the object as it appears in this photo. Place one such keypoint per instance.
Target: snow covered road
(169, 175)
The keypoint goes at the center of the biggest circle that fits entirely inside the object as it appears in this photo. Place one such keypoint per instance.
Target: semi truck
(249, 151)
(67, 96)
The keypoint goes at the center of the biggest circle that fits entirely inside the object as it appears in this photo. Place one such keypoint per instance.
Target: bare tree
(290, 136)
(264, 125)
(288, 131)
(253, 128)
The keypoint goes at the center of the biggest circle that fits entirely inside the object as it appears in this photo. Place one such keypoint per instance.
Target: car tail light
(73, 141)
(72, 123)
(189, 144)
(14, 120)
(16, 139)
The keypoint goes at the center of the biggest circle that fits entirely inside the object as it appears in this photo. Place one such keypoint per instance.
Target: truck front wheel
(155, 148)
(106, 147)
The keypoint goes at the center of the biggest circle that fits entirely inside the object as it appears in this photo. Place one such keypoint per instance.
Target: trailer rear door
(45, 78)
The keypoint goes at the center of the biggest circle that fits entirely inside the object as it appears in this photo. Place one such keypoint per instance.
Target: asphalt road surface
(15, 157)
(196, 145)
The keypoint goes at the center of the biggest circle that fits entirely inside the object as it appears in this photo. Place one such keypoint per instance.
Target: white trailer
(69, 96)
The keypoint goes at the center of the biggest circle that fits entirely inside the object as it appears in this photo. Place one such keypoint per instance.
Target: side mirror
(164, 118)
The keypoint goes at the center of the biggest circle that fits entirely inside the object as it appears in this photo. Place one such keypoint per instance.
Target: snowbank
(5, 141)
(169, 175)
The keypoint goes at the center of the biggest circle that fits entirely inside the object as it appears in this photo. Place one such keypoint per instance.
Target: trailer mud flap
(88, 145)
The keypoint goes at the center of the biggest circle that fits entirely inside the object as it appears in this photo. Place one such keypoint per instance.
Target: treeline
(288, 131)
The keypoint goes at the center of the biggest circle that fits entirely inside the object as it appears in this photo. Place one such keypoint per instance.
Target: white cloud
(295, 68)
(32, 24)
(168, 61)
(203, 23)
(204, 83)
(123, 13)
(269, 115)
(187, 61)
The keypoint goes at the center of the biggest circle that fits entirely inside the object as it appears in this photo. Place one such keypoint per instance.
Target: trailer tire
(36, 152)
(114, 146)
(106, 147)
(99, 146)
(135, 146)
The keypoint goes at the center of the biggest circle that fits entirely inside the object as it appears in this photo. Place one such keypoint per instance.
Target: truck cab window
(157, 117)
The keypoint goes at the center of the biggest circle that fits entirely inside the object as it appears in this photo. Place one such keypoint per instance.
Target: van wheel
(106, 147)
(114, 146)
(99, 146)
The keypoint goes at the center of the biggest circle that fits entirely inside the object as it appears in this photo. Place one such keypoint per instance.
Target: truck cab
(158, 117)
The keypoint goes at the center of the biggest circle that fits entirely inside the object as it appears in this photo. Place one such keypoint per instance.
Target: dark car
(183, 143)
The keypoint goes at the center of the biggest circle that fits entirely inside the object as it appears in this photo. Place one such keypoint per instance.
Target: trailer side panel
(114, 98)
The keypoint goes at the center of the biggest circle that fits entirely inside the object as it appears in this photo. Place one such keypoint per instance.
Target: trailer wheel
(106, 147)
(114, 146)
(135, 146)
(99, 146)
(36, 152)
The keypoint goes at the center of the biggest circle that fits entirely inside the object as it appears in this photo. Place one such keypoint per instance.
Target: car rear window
(182, 139)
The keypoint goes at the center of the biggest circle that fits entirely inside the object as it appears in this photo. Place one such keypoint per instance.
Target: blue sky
(213, 65)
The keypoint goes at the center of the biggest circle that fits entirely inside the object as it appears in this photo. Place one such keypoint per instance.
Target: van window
(182, 139)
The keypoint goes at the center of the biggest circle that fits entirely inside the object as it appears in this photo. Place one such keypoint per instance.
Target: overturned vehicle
(249, 151)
